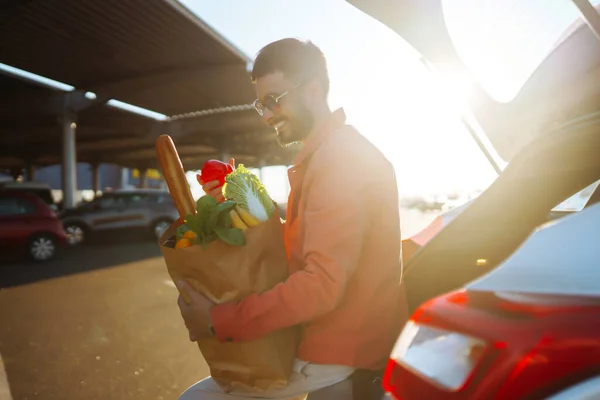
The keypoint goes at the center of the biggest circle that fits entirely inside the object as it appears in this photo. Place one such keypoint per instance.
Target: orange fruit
(183, 242)
(189, 235)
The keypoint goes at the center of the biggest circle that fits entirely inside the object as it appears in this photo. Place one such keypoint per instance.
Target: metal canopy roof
(152, 54)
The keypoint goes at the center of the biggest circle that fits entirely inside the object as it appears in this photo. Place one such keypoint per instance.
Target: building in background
(109, 177)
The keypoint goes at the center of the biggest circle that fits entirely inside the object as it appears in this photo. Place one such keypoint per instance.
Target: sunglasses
(271, 102)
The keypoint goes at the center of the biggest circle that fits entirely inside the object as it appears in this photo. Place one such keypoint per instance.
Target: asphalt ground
(99, 322)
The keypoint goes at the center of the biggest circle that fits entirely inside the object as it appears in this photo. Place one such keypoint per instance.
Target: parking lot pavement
(101, 322)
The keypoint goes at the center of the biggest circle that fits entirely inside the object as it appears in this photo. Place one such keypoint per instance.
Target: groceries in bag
(227, 259)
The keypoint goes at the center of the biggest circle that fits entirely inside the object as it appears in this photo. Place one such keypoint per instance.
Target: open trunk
(547, 127)
(558, 83)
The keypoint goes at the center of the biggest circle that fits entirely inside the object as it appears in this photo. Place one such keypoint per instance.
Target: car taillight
(444, 357)
(483, 345)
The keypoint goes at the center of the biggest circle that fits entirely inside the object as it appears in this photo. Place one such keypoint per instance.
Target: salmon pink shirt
(342, 236)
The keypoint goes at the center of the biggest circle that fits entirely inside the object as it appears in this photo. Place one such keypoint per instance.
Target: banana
(236, 221)
(248, 218)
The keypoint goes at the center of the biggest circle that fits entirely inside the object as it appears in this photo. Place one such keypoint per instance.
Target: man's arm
(336, 219)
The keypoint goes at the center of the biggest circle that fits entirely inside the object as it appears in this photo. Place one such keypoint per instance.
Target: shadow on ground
(102, 252)
(108, 329)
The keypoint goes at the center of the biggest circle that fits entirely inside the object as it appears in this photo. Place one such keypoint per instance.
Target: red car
(27, 224)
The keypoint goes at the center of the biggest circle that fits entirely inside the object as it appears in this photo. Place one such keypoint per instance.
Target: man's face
(291, 117)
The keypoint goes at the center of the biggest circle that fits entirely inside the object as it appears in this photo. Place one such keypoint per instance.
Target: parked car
(505, 298)
(144, 210)
(42, 190)
(28, 225)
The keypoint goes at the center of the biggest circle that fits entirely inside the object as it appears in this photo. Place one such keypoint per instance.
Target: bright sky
(386, 93)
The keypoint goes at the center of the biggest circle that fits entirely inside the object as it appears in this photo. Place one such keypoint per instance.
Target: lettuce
(244, 188)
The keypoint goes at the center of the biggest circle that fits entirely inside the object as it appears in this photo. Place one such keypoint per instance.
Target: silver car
(147, 210)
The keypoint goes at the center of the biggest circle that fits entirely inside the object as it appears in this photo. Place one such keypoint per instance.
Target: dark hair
(298, 60)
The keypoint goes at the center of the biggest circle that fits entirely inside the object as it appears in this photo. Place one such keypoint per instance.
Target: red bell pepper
(215, 170)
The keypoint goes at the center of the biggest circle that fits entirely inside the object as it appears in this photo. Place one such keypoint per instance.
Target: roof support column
(124, 178)
(69, 160)
(30, 170)
(143, 178)
(95, 178)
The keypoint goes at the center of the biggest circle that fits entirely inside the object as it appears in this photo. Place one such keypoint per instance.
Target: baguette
(172, 170)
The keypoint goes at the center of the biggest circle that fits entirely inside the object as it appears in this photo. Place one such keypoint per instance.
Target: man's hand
(211, 188)
(196, 315)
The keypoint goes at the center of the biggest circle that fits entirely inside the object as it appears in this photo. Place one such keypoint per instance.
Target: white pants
(306, 378)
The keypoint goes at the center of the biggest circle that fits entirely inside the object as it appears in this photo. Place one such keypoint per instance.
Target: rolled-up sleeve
(335, 220)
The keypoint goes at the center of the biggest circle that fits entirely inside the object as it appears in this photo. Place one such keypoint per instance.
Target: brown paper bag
(225, 273)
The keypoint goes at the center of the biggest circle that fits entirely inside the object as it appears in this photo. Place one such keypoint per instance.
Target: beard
(297, 128)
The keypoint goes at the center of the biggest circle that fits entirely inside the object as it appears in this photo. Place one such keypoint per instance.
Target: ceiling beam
(35, 102)
(138, 83)
(51, 134)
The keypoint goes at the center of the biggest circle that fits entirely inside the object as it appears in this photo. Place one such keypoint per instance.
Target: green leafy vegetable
(205, 203)
(194, 223)
(225, 220)
(212, 222)
(245, 189)
(232, 236)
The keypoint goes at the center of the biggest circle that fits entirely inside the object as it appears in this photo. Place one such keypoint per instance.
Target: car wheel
(43, 247)
(159, 227)
(76, 233)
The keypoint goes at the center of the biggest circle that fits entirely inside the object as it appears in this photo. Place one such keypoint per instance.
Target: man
(342, 235)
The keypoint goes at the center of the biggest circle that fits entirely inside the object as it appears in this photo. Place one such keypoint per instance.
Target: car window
(166, 199)
(161, 198)
(158, 198)
(10, 206)
(136, 199)
(108, 202)
(43, 194)
(579, 200)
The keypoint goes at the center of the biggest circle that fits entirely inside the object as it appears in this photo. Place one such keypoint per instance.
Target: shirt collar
(320, 133)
